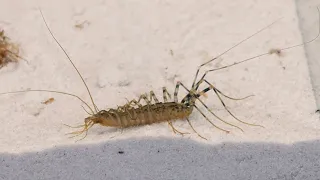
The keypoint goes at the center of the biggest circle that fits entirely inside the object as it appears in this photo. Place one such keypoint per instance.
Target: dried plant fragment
(48, 101)
(9, 52)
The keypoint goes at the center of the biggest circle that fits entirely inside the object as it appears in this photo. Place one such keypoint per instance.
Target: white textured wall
(124, 52)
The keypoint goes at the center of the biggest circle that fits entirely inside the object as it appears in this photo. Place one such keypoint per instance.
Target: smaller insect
(276, 51)
(9, 52)
(48, 101)
(81, 25)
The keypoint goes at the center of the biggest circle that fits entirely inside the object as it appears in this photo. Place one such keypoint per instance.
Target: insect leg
(116, 116)
(225, 107)
(144, 97)
(126, 108)
(212, 87)
(175, 94)
(152, 95)
(165, 93)
(196, 96)
(175, 130)
(188, 96)
(195, 130)
(135, 102)
(209, 120)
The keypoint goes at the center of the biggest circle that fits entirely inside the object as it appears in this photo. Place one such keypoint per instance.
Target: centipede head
(88, 123)
(104, 118)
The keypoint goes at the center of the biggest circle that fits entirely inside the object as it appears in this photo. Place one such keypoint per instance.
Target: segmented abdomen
(154, 113)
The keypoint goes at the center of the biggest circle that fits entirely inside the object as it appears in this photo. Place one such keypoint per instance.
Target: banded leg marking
(195, 96)
(216, 91)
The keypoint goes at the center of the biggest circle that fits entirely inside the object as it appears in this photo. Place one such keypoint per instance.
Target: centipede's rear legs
(176, 100)
(165, 99)
(194, 129)
(217, 92)
(195, 95)
(154, 97)
(215, 89)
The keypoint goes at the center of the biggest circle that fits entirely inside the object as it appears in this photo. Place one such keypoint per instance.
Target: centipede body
(147, 114)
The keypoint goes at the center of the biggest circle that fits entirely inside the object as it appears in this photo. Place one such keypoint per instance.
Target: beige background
(124, 51)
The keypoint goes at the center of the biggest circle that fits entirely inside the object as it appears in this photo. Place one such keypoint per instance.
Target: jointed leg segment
(196, 96)
(165, 93)
(216, 91)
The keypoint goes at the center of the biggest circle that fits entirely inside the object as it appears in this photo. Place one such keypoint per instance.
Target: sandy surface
(128, 48)
(312, 52)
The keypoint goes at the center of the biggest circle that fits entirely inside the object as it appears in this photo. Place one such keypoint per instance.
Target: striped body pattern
(147, 114)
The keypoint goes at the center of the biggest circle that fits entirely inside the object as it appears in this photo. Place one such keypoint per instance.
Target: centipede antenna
(195, 78)
(44, 90)
(86, 111)
(267, 53)
(307, 42)
(95, 107)
(74, 126)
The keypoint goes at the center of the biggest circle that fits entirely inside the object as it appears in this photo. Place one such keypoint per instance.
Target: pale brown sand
(125, 50)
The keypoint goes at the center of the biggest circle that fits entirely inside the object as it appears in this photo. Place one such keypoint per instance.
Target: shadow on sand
(166, 159)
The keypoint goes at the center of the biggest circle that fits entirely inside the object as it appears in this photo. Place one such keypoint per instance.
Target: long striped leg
(203, 92)
(176, 100)
(189, 95)
(208, 89)
(216, 91)
(195, 96)
(165, 93)
(154, 97)
(144, 97)
(175, 94)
